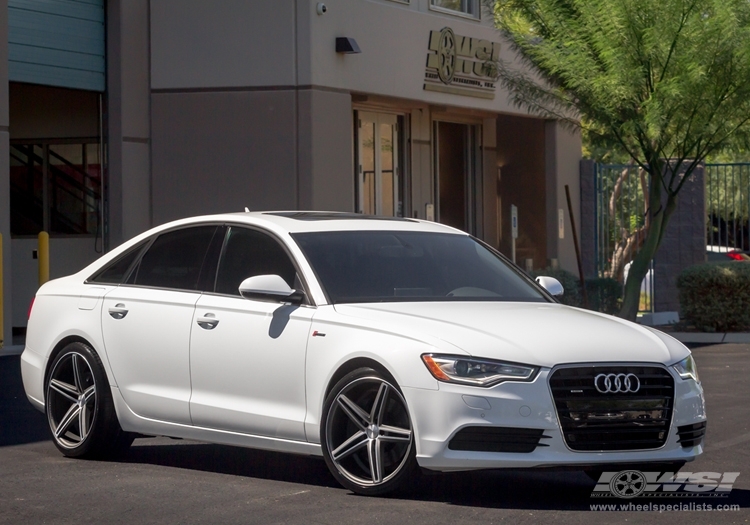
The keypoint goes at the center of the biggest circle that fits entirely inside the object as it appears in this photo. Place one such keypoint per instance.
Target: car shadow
(537, 489)
(235, 461)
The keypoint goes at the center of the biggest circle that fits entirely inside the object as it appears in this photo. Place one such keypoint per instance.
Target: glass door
(378, 186)
(456, 168)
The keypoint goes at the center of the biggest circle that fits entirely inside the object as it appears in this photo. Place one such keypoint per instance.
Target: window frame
(308, 301)
(154, 238)
(145, 245)
(462, 14)
(139, 247)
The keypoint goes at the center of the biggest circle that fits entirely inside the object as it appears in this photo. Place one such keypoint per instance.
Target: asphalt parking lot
(168, 481)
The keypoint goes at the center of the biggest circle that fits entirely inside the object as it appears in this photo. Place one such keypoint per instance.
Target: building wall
(229, 44)
(223, 151)
(326, 153)
(394, 42)
(128, 119)
(563, 156)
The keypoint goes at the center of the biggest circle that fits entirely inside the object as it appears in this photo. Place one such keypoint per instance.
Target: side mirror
(270, 288)
(551, 284)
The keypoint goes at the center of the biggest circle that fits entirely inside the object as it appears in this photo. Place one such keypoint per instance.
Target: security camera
(321, 8)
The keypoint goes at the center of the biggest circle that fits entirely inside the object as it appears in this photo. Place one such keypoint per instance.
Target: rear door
(146, 322)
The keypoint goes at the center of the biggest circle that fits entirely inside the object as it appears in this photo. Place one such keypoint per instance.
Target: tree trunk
(659, 218)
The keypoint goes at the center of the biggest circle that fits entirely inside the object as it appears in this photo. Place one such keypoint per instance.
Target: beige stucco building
(199, 106)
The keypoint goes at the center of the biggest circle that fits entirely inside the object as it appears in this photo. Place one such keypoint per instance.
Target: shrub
(716, 296)
(603, 293)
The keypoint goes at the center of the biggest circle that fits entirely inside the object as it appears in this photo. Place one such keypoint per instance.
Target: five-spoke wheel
(71, 398)
(79, 405)
(367, 437)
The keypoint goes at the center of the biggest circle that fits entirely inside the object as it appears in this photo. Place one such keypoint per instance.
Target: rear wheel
(79, 406)
(367, 436)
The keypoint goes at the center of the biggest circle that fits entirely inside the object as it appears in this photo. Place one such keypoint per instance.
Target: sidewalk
(710, 338)
(11, 350)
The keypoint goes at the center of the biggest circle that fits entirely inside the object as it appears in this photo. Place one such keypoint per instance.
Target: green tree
(666, 82)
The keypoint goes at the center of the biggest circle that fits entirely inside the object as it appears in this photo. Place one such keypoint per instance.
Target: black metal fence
(728, 207)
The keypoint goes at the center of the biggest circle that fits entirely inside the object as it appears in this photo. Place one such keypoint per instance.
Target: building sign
(461, 65)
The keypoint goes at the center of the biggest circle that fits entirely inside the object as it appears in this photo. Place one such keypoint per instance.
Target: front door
(247, 358)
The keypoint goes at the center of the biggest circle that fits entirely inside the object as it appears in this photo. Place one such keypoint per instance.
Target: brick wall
(684, 242)
(588, 217)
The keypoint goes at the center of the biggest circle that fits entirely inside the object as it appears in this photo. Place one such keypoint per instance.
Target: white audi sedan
(383, 345)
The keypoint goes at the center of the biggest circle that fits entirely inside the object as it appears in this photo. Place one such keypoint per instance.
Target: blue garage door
(57, 43)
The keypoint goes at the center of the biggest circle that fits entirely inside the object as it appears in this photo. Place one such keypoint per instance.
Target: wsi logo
(634, 483)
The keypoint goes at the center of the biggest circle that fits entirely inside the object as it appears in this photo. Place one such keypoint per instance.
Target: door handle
(208, 321)
(119, 311)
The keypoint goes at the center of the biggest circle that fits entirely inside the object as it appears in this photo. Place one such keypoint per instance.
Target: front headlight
(687, 369)
(476, 372)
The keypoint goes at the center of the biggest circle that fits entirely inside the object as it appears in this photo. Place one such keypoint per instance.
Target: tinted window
(116, 271)
(248, 253)
(372, 266)
(175, 259)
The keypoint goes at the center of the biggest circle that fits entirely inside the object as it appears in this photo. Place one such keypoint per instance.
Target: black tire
(366, 434)
(79, 407)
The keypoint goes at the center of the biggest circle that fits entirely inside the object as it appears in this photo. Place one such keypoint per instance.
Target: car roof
(318, 221)
(283, 223)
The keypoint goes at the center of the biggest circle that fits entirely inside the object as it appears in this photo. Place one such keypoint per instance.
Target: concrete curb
(708, 338)
(11, 350)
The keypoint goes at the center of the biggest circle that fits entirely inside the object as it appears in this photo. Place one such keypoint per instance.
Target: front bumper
(438, 415)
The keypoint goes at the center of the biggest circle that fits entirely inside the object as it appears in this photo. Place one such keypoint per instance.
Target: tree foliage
(666, 82)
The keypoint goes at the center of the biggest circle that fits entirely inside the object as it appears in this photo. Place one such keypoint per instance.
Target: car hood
(543, 334)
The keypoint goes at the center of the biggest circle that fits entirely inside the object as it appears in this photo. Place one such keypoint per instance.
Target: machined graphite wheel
(79, 406)
(367, 436)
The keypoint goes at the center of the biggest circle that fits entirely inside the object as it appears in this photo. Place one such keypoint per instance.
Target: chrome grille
(594, 421)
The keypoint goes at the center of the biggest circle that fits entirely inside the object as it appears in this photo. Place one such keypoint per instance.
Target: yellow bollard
(43, 255)
(2, 313)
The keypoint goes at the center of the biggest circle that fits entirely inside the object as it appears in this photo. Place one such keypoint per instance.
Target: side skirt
(132, 422)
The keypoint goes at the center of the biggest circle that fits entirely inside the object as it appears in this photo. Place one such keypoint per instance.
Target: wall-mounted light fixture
(347, 45)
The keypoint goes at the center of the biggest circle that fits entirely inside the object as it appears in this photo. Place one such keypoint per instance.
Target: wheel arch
(354, 364)
(62, 343)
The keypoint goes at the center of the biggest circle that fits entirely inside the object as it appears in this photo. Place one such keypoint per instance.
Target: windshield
(388, 266)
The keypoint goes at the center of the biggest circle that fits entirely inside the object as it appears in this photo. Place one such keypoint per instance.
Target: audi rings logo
(617, 383)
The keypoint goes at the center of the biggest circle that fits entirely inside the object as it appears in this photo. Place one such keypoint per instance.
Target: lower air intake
(497, 439)
(691, 435)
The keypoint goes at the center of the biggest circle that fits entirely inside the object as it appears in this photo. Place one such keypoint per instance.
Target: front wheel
(367, 436)
(79, 406)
